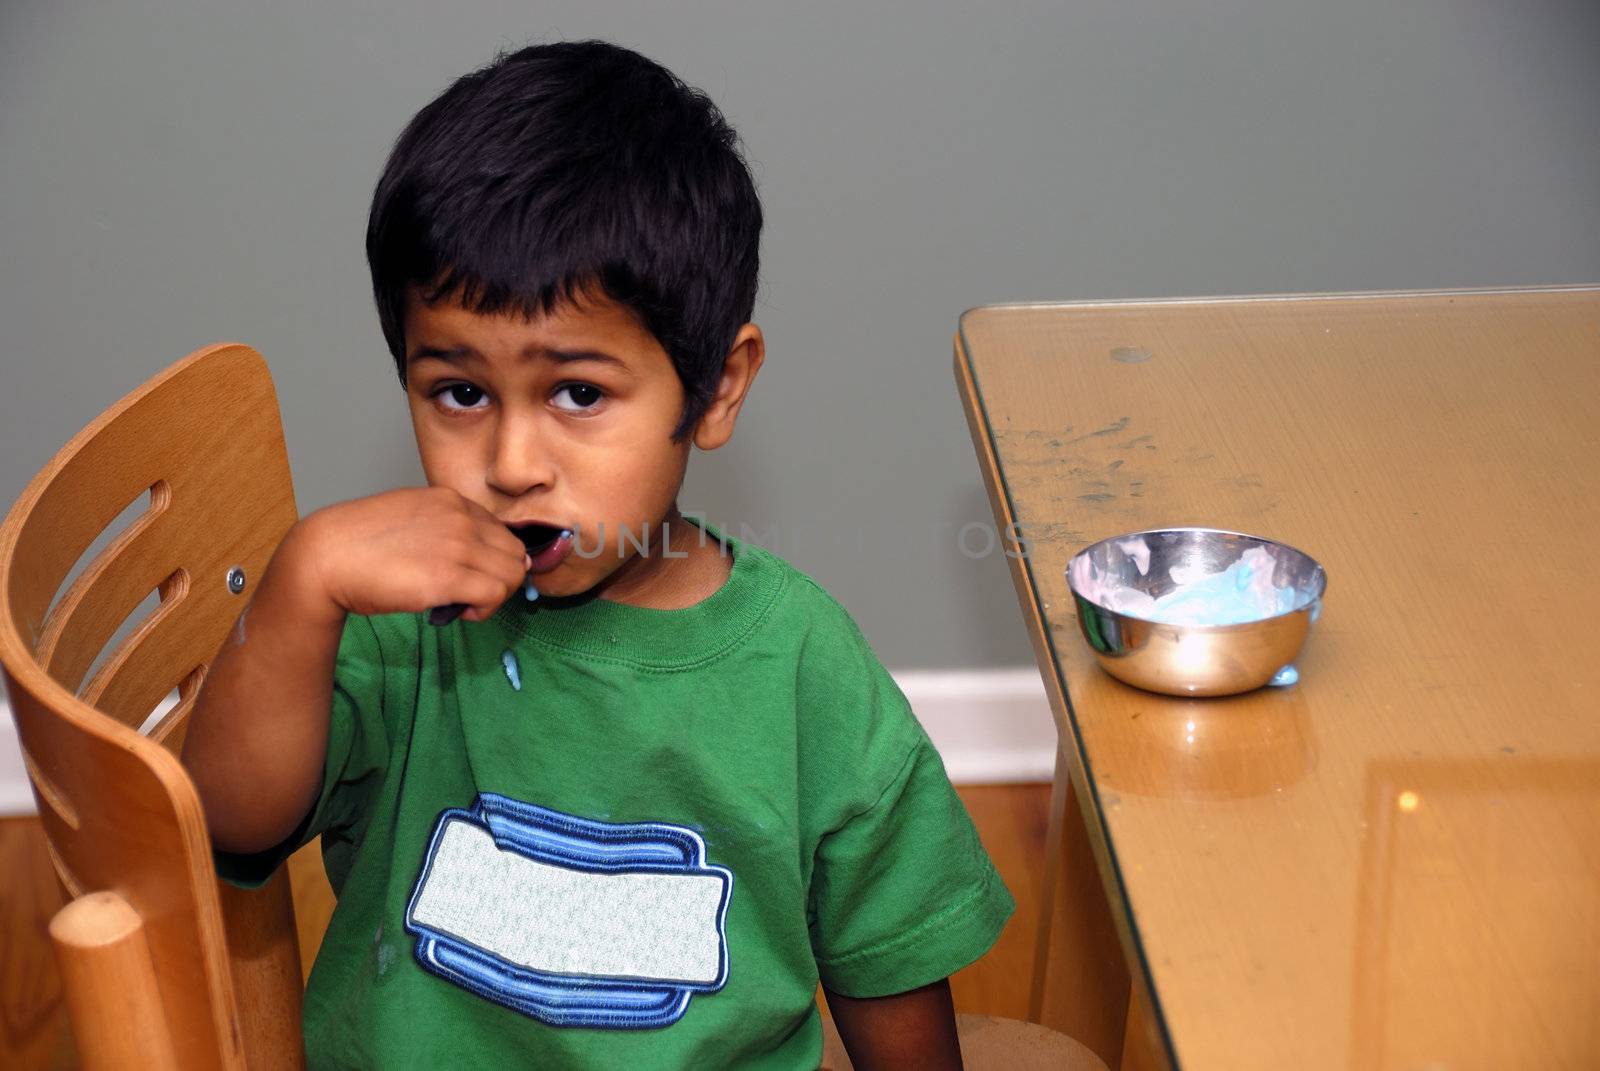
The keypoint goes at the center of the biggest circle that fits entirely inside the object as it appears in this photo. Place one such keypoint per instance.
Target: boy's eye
(464, 395)
(583, 395)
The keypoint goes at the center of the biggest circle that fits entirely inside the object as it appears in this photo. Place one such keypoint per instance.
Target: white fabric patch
(647, 925)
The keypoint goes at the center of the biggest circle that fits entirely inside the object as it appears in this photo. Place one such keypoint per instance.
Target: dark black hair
(570, 166)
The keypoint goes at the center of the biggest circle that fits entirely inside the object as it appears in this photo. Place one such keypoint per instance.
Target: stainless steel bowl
(1191, 659)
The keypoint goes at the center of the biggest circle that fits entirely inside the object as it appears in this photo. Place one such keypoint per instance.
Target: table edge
(1315, 295)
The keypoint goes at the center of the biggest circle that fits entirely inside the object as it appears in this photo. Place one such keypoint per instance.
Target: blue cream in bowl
(1196, 611)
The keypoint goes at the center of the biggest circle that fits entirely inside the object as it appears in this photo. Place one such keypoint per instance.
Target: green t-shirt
(597, 835)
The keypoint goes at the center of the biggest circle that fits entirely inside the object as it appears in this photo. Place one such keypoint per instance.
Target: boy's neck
(695, 571)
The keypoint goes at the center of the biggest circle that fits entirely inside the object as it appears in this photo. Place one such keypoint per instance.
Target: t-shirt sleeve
(901, 892)
(357, 755)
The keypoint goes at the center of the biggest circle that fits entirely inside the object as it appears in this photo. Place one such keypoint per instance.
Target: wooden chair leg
(265, 953)
(110, 985)
(1081, 981)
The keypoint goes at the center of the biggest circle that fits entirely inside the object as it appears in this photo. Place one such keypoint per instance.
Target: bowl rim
(1320, 576)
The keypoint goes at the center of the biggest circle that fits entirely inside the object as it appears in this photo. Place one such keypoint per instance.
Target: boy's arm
(915, 1029)
(258, 734)
(259, 727)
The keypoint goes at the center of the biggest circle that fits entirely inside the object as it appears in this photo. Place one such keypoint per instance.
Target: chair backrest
(204, 439)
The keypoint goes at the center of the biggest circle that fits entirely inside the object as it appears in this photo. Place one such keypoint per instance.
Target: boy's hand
(405, 551)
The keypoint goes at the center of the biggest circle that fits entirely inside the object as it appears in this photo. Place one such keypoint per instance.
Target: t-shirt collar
(667, 639)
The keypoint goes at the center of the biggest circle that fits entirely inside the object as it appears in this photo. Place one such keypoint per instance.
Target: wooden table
(1395, 863)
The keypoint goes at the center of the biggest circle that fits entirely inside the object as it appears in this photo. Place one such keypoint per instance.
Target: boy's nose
(520, 462)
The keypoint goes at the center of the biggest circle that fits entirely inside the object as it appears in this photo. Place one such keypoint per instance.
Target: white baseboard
(15, 796)
(991, 726)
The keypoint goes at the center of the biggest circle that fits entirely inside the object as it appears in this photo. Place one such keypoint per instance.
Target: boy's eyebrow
(568, 356)
(458, 354)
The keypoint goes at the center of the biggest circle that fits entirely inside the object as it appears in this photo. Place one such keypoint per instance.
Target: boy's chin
(560, 583)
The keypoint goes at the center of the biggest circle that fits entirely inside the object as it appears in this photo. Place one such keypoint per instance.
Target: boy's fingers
(504, 574)
(495, 552)
(484, 592)
(513, 567)
(502, 554)
(490, 550)
(501, 538)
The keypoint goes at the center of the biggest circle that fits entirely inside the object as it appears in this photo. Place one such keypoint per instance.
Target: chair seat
(989, 1043)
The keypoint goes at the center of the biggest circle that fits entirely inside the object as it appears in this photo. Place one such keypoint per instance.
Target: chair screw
(236, 580)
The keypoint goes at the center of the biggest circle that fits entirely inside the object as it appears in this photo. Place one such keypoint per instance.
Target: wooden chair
(162, 966)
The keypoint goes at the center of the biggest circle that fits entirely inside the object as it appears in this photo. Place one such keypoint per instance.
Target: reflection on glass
(1478, 927)
(1204, 749)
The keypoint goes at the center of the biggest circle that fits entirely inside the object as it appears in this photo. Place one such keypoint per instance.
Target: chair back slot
(49, 793)
(101, 597)
(148, 663)
(63, 531)
(173, 726)
(69, 880)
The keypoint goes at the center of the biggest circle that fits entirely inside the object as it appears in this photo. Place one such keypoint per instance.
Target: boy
(652, 783)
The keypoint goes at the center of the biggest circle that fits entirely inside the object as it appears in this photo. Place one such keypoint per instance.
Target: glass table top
(1395, 862)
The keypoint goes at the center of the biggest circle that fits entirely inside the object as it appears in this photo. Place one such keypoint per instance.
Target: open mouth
(537, 537)
(546, 545)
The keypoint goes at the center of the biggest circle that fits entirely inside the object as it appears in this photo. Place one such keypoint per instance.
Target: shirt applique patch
(571, 921)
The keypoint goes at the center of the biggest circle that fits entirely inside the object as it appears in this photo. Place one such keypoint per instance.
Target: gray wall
(173, 174)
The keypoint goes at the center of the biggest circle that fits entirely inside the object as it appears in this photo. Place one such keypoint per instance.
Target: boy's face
(565, 419)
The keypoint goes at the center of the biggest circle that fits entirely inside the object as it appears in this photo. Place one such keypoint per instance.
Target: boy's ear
(739, 370)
